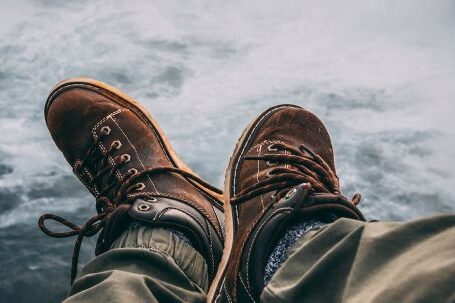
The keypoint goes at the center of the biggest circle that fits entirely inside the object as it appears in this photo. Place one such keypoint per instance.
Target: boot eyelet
(140, 186)
(271, 149)
(267, 174)
(151, 199)
(105, 130)
(77, 167)
(143, 207)
(116, 144)
(126, 158)
(290, 193)
(270, 163)
(133, 171)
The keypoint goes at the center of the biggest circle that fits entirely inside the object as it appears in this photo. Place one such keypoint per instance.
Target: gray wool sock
(290, 236)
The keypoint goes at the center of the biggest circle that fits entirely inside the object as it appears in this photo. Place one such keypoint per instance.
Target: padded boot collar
(167, 212)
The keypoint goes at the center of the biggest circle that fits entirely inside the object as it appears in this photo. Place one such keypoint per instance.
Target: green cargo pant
(347, 261)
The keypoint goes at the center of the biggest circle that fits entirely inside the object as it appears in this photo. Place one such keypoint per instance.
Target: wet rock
(8, 200)
(5, 169)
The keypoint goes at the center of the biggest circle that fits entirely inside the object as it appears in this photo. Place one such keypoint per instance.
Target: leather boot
(281, 172)
(121, 155)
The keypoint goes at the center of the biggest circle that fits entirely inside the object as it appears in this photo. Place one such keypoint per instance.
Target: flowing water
(381, 75)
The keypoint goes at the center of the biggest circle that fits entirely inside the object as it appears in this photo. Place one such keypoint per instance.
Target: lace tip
(356, 199)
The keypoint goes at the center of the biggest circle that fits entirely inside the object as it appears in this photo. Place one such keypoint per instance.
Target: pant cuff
(165, 241)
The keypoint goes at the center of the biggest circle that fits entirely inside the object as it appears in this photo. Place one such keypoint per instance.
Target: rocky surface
(379, 73)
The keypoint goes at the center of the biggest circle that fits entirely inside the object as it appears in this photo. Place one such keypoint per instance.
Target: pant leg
(352, 261)
(144, 265)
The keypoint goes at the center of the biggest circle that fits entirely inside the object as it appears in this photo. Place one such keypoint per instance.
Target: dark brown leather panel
(121, 155)
(281, 170)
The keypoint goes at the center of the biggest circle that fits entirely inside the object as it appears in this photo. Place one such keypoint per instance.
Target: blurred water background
(381, 74)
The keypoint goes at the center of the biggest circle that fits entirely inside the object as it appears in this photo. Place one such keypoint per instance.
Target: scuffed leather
(75, 115)
(260, 221)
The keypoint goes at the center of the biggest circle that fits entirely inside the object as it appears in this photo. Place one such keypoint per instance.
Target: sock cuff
(289, 238)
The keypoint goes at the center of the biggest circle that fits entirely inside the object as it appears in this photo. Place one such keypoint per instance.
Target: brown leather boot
(123, 158)
(282, 171)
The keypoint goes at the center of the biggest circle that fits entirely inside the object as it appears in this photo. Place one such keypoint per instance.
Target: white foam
(206, 67)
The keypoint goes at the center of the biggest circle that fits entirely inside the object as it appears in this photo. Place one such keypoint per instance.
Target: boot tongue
(174, 186)
(269, 230)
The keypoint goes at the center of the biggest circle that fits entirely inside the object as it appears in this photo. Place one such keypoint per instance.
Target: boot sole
(241, 145)
(128, 102)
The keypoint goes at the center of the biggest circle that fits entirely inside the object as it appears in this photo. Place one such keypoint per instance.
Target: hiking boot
(281, 172)
(121, 155)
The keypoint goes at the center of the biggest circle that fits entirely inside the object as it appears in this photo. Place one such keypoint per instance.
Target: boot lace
(301, 165)
(115, 192)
